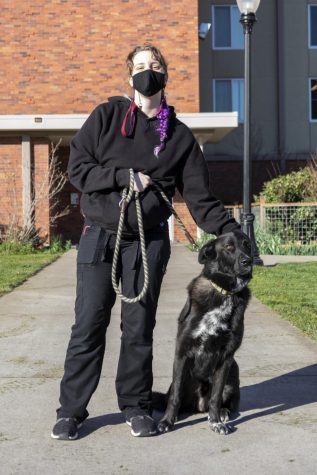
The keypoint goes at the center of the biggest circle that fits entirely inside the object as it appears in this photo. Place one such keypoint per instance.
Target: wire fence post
(236, 214)
(262, 213)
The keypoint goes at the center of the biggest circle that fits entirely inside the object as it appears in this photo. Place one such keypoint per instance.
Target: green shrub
(291, 188)
(15, 247)
(200, 242)
(58, 245)
(269, 243)
(292, 223)
(293, 249)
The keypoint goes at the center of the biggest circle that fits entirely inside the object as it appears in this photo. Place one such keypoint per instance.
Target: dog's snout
(245, 260)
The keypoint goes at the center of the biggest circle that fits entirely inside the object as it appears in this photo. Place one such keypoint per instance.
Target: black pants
(94, 301)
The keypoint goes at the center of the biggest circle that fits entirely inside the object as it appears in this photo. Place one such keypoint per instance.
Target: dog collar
(220, 289)
(237, 289)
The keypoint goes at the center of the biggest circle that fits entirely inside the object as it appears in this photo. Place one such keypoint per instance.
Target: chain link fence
(291, 222)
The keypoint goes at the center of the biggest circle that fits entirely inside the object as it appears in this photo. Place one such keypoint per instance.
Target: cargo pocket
(89, 244)
(104, 247)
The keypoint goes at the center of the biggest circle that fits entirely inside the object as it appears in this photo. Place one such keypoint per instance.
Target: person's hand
(141, 182)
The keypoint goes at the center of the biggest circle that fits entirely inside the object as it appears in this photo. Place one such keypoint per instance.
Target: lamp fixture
(248, 6)
(203, 30)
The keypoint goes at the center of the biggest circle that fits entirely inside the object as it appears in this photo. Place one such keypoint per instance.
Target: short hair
(146, 47)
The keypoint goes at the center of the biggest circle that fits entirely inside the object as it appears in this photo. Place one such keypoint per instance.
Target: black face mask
(148, 82)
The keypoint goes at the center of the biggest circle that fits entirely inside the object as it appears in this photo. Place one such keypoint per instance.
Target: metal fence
(291, 222)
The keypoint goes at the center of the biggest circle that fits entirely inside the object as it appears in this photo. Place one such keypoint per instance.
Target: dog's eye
(229, 247)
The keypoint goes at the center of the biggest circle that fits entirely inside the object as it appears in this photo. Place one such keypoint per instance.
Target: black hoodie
(100, 158)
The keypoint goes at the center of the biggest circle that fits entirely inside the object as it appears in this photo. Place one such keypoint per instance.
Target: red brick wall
(185, 216)
(66, 56)
(11, 211)
(10, 182)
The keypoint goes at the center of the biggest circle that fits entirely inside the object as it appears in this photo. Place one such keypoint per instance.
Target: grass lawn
(16, 268)
(290, 290)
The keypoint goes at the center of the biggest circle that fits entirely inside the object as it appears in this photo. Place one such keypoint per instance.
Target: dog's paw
(165, 426)
(224, 414)
(220, 428)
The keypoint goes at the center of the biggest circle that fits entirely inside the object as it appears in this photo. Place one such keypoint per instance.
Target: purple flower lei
(163, 116)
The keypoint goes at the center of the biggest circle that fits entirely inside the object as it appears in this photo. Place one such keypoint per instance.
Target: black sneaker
(66, 428)
(141, 422)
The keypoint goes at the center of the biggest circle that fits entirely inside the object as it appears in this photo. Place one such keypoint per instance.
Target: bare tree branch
(48, 191)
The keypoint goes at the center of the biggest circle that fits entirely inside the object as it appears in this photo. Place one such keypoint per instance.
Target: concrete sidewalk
(275, 434)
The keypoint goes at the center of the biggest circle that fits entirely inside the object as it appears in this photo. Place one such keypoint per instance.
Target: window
(229, 96)
(313, 99)
(312, 26)
(227, 30)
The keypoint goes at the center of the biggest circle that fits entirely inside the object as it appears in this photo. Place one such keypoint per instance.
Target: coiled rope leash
(126, 198)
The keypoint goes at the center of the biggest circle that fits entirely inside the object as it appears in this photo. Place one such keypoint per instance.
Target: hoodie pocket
(154, 211)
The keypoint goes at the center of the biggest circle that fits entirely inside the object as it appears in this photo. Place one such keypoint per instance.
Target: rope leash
(126, 198)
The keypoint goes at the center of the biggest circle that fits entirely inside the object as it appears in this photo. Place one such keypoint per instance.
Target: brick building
(63, 57)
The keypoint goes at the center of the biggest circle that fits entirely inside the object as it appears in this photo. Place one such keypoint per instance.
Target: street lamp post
(247, 19)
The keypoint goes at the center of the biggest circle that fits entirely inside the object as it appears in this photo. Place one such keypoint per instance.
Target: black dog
(210, 330)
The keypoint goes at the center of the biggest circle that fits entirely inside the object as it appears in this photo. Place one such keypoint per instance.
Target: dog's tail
(159, 400)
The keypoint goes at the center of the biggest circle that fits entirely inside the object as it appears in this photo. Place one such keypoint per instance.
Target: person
(144, 134)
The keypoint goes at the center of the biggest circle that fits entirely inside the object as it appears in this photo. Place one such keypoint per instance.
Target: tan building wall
(229, 64)
(281, 65)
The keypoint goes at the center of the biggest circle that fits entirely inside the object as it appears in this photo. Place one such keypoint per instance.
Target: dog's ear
(207, 252)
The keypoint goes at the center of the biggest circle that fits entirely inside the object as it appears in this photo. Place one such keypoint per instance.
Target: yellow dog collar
(220, 289)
